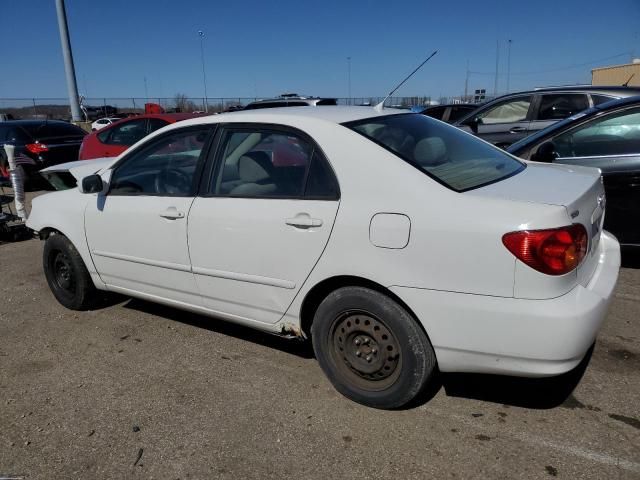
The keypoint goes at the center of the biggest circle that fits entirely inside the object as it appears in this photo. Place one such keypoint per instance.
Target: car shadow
(631, 257)
(533, 393)
(299, 348)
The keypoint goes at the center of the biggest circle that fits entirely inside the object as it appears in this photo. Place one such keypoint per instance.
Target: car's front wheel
(371, 349)
(67, 275)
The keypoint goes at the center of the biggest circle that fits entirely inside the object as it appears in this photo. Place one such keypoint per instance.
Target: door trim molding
(245, 277)
(143, 261)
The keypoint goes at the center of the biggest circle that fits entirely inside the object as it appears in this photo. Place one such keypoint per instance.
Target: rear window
(46, 130)
(450, 156)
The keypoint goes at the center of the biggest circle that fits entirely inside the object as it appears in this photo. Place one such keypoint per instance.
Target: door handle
(517, 130)
(172, 213)
(303, 221)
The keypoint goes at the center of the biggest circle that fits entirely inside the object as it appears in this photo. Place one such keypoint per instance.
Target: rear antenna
(380, 105)
(626, 84)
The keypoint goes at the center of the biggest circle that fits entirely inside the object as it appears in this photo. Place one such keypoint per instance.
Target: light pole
(508, 64)
(349, 77)
(204, 75)
(495, 82)
(69, 69)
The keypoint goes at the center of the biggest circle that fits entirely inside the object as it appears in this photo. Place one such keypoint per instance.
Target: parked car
(291, 100)
(399, 244)
(40, 144)
(449, 113)
(114, 139)
(103, 122)
(606, 137)
(510, 118)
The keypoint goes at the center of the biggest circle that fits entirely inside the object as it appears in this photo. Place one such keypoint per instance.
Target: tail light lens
(555, 251)
(36, 148)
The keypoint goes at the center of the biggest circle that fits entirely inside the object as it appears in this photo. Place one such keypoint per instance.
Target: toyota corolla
(400, 245)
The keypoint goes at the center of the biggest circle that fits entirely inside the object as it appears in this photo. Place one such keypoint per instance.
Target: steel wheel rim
(63, 276)
(364, 350)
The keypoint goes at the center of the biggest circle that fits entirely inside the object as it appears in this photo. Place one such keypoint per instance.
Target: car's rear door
(137, 232)
(263, 221)
(550, 108)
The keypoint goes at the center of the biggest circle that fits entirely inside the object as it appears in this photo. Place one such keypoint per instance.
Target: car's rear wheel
(371, 349)
(67, 275)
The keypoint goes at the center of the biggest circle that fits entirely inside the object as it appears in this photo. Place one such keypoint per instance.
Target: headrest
(254, 167)
(430, 151)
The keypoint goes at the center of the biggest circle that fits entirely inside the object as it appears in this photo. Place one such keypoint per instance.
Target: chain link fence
(58, 108)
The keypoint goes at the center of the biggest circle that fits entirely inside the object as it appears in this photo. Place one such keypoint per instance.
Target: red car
(111, 141)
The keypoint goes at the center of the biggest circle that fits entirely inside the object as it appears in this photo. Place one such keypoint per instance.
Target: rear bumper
(536, 338)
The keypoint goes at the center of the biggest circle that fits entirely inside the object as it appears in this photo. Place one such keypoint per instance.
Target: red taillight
(555, 251)
(36, 148)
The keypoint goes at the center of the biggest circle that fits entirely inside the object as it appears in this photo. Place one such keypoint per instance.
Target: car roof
(577, 118)
(330, 113)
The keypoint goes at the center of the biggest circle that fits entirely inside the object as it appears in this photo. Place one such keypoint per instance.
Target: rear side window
(561, 106)
(264, 163)
(458, 112)
(454, 158)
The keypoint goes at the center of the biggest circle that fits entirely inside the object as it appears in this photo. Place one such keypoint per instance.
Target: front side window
(561, 105)
(454, 158)
(614, 134)
(126, 133)
(509, 111)
(272, 164)
(166, 167)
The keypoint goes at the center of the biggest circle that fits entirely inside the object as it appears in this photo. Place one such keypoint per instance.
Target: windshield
(447, 154)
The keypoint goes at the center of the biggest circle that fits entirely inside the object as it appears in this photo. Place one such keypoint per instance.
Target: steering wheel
(172, 181)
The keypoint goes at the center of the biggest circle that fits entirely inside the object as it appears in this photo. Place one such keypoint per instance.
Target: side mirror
(473, 123)
(546, 153)
(92, 184)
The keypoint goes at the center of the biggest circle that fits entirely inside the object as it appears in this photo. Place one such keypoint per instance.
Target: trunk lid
(578, 189)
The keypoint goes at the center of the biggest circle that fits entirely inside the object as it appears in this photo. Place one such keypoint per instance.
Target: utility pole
(69, 69)
(466, 83)
(146, 92)
(508, 64)
(204, 75)
(495, 82)
(349, 77)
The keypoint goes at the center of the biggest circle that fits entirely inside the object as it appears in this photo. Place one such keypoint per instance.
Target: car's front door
(506, 122)
(137, 232)
(263, 222)
(117, 138)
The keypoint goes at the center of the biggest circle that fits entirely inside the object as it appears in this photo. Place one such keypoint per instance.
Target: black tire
(371, 349)
(67, 275)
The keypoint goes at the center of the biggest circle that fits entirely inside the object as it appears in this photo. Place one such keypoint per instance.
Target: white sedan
(399, 244)
(103, 122)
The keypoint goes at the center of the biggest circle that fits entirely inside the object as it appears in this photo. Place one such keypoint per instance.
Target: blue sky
(264, 48)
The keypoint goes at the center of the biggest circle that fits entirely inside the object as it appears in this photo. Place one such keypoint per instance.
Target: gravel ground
(136, 390)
